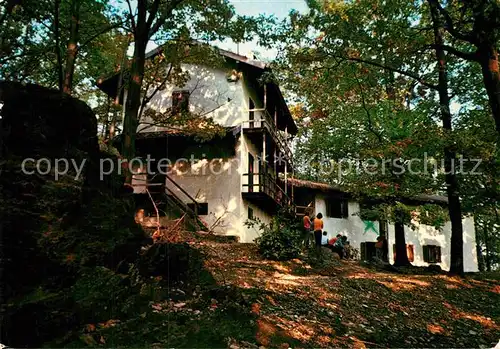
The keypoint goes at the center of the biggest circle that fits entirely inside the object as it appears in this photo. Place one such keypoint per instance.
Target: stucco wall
(217, 182)
(354, 228)
(211, 95)
(249, 234)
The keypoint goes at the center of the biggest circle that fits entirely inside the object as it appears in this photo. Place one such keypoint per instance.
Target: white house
(425, 245)
(232, 178)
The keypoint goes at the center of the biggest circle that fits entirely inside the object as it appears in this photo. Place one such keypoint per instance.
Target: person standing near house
(307, 229)
(318, 229)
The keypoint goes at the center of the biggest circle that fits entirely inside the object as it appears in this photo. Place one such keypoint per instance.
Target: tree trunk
(119, 89)
(480, 257)
(72, 47)
(133, 102)
(400, 240)
(57, 38)
(488, 59)
(487, 248)
(479, 248)
(454, 205)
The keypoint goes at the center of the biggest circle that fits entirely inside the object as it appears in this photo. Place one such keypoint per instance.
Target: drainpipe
(265, 98)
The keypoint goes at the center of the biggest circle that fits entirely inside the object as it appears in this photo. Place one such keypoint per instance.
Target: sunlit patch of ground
(357, 307)
(437, 329)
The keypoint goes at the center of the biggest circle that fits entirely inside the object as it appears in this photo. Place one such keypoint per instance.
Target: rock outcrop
(53, 226)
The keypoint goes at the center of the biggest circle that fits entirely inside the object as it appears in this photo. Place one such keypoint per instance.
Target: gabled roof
(302, 183)
(109, 83)
(225, 53)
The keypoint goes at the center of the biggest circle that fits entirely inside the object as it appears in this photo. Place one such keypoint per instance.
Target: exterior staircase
(171, 208)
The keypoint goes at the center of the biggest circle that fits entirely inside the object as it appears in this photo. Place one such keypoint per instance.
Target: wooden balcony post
(286, 173)
(263, 160)
(276, 116)
(265, 97)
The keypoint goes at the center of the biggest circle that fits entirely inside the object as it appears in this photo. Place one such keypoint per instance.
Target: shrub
(282, 238)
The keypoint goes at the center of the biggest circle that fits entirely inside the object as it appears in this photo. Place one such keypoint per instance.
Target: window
(202, 208)
(409, 252)
(337, 208)
(432, 253)
(180, 101)
(250, 213)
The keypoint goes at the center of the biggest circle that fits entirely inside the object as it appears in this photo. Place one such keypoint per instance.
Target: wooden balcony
(260, 120)
(263, 190)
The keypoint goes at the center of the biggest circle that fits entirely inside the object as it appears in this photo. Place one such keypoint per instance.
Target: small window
(250, 213)
(410, 252)
(432, 253)
(202, 208)
(337, 208)
(180, 101)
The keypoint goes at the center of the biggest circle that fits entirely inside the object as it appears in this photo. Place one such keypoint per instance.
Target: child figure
(318, 229)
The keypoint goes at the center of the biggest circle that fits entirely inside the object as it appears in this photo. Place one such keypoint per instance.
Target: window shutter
(409, 251)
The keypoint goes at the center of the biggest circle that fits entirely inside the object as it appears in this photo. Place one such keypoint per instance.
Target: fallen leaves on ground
(350, 305)
(257, 304)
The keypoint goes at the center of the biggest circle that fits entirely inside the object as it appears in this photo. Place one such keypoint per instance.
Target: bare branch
(468, 56)
(370, 122)
(96, 35)
(450, 27)
(161, 20)
(132, 20)
(393, 69)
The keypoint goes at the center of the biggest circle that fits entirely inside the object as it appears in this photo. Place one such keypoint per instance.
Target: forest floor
(261, 303)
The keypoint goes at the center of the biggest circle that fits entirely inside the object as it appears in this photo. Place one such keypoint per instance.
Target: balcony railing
(262, 119)
(266, 184)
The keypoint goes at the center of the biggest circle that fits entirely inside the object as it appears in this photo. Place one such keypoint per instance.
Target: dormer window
(180, 101)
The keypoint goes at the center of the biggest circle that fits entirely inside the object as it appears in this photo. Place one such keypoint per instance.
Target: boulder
(52, 227)
(39, 122)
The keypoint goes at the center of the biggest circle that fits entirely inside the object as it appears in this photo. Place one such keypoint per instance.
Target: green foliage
(428, 214)
(433, 215)
(34, 34)
(282, 238)
(101, 294)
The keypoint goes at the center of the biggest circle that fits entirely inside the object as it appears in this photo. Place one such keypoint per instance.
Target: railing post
(265, 97)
